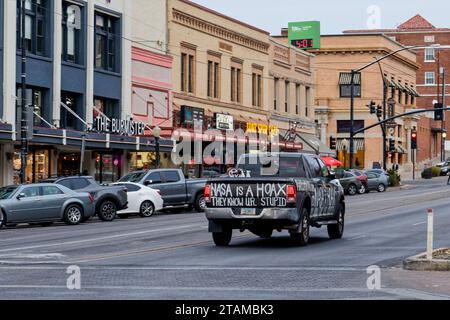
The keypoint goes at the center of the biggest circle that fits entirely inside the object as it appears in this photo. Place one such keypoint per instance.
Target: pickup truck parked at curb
(278, 191)
(176, 191)
(107, 199)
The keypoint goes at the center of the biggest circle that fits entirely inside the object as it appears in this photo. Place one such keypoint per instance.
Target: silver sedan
(43, 204)
(377, 182)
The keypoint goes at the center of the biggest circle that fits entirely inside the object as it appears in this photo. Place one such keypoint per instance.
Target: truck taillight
(291, 194)
(207, 193)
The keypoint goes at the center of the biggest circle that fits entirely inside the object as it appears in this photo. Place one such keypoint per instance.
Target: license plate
(248, 212)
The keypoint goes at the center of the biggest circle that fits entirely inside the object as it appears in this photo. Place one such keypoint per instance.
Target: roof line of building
(189, 2)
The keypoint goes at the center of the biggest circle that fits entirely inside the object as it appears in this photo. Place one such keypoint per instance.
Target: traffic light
(391, 145)
(414, 140)
(438, 114)
(333, 143)
(379, 111)
(372, 107)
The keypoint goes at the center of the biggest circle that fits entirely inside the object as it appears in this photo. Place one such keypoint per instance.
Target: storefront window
(38, 166)
(68, 164)
(108, 167)
(147, 161)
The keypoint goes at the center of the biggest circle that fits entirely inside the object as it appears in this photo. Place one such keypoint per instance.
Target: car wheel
(147, 209)
(301, 238)
(362, 190)
(352, 190)
(108, 211)
(222, 239)
(381, 188)
(336, 231)
(73, 215)
(200, 203)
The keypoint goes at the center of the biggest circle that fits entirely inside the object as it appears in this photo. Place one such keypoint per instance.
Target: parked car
(377, 182)
(361, 176)
(142, 200)
(107, 199)
(176, 191)
(43, 204)
(350, 183)
(445, 168)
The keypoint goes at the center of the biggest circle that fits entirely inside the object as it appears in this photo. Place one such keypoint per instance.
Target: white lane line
(92, 240)
(419, 223)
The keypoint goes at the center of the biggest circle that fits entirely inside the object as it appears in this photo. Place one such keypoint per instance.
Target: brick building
(419, 31)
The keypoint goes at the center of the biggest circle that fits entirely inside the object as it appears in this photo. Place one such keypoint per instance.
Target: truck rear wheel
(200, 203)
(222, 239)
(301, 237)
(336, 231)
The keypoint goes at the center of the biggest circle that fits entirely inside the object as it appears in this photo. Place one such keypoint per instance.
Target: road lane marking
(91, 240)
(357, 237)
(419, 223)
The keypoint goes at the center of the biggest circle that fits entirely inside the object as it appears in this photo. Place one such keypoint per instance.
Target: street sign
(304, 35)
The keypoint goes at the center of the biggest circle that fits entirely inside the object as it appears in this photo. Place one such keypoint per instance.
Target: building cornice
(220, 104)
(219, 31)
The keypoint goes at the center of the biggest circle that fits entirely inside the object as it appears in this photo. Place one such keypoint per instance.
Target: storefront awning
(346, 79)
(415, 92)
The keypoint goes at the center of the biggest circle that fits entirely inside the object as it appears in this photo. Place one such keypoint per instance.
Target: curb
(420, 263)
(404, 187)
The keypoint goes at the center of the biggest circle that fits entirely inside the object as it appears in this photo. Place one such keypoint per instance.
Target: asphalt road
(171, 256)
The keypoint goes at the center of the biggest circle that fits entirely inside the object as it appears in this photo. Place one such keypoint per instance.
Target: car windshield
(134, 177)
(283, 167)
(6, 192)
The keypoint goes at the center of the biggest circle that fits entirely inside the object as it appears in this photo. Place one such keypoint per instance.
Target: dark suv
(107, 199)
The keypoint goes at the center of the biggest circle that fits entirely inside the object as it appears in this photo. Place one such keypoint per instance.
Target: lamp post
(444, 135)
(157, 135)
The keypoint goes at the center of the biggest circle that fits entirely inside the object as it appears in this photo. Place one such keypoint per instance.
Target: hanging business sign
(262, 129)
(304, 35)
(224, 122)
(191, 115)
(119, 127)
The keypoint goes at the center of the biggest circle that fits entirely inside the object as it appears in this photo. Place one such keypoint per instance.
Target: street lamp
(157, 135)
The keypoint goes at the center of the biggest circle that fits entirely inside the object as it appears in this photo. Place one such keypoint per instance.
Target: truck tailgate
(247, 193)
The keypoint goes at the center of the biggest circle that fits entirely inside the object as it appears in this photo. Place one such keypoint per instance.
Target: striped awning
(415, 92)
(359, 145)
(401, 150)
(401, 87)
(408, 89)
(345, 79)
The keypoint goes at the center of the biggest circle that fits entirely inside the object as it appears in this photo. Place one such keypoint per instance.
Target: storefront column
(6, 164)
(89, 163)
(54, 155)
(408, 146)
(57, 46)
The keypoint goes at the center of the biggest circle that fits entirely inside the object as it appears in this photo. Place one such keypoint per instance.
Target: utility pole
(442, 71)
(23, 119)
(352, 117)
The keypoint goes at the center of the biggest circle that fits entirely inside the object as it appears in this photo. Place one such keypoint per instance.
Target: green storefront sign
(304, 35)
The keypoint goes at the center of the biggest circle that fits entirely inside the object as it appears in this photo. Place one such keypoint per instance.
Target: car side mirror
(148, 182)
(21, 195)
(332, 176)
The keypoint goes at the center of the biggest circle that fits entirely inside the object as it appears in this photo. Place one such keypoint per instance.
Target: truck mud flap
(215, 227)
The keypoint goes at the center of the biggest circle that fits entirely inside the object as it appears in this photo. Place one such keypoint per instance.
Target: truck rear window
(281, 167)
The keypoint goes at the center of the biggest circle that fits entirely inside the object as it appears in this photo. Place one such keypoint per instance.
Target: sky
(335, 15)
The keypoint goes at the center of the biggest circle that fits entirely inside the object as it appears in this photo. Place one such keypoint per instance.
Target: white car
(142, 200)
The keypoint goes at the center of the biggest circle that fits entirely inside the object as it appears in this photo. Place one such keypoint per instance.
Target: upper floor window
(297, 98)
(188, 69)
(345, 85)
(35, 26)
(257, 87)
(429, 55)
(429, 39)
(287, 96)
(107, 107)
(307, 101)
(71, 32)
(106, 42)
(276, 92)
(430, 78)
(213, 77)
(236, 81)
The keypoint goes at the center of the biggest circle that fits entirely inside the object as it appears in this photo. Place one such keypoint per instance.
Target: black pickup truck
(278, 191)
